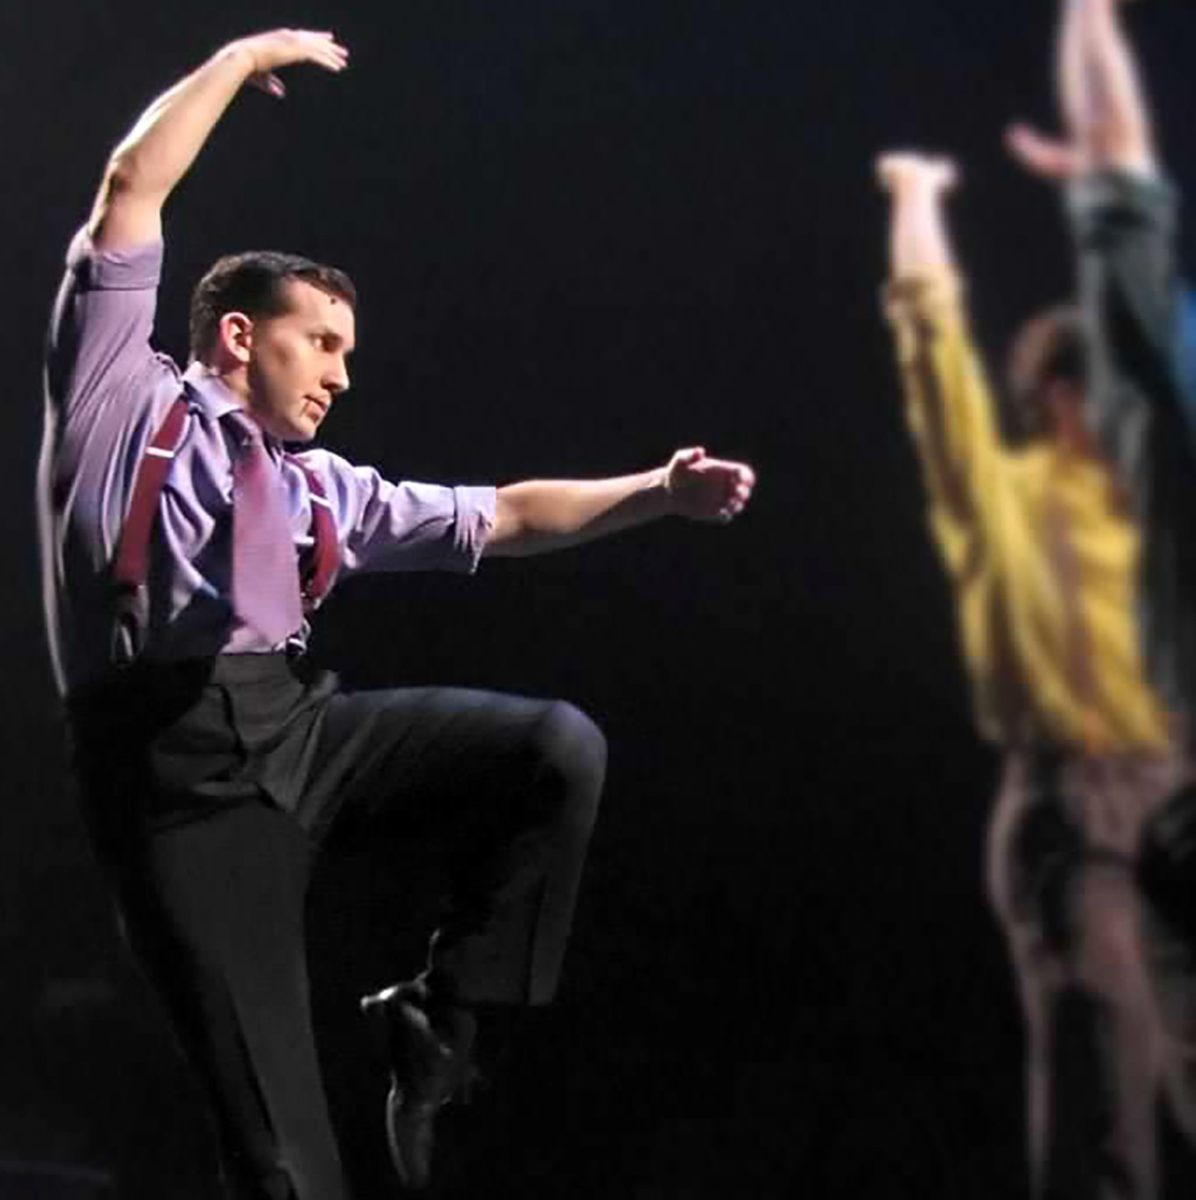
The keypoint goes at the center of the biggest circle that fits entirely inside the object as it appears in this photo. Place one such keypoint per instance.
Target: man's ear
(234, 336)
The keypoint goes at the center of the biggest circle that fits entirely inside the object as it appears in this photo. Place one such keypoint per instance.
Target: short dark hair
(255, 283)
(1050, 347)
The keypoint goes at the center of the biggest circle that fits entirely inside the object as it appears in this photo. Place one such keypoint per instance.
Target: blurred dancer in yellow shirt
(1036, 537)
(1043, 551)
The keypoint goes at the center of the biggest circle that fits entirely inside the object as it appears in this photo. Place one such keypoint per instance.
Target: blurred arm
(947, 398)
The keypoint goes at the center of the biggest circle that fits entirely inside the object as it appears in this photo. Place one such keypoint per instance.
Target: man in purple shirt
(182, 547)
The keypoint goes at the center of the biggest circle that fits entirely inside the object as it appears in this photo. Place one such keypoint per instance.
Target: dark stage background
(587, 232)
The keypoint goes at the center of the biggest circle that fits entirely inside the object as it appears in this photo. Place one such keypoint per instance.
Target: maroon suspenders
(131, 564)
(315, 581)
(130, 567)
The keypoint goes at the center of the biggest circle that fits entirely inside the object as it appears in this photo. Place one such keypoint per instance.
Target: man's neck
(234, 381)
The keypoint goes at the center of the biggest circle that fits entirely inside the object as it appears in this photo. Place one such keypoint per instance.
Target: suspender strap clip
(130, 614)
(315, 580)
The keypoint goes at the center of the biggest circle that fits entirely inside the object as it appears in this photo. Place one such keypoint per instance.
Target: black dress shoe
(428, 1068)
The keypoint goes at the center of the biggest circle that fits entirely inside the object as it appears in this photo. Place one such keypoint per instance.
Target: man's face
(299, 361)
(1066, 405)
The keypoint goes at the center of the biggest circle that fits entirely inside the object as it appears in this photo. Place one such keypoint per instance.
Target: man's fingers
(735, 482)
(331, 57)
(324, 48)
(331, 54)
(269, 83)
(286, 47)
(732, 508)
(738, 472)
(1048, 157)
(717, 489)
(689, 459)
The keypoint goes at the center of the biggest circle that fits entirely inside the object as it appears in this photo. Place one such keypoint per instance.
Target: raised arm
(541, 515)
(918, 187)
(1123, 222)
(947, 399)
(1105, 116)
(102, 322)
(1100, 92)
(1124, 225)
(157, 152)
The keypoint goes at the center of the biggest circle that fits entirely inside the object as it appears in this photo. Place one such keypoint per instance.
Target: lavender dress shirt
(106, 393)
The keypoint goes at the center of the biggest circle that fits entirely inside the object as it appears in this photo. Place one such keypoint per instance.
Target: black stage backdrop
(586, 232)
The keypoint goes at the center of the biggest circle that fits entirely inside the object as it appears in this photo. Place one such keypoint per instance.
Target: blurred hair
(1050, 347)
(255, 283)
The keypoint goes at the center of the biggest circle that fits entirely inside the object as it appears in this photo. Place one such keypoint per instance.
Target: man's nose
(336, 378)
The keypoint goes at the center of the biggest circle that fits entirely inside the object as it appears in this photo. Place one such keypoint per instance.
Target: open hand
(707, 489)
(286, 47)
(901, 170)
(1050, 158)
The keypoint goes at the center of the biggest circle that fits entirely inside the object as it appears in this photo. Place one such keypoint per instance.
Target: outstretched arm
(157, 152)
(542, 515)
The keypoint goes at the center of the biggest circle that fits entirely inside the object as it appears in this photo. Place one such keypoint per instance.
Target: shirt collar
(217, 399)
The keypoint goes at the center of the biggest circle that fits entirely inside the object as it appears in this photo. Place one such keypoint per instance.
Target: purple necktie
(265, 576)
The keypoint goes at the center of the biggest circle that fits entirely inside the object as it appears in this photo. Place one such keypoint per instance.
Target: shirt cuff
(932, 292)
(128, 269)
(474, 523)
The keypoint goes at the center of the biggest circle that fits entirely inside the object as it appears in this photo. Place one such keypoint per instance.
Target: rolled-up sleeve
(949, 408)
(406, 526)
(102, 321)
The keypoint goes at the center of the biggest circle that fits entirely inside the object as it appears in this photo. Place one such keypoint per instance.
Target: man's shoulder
(124, 411)
(114, 268)
(98, 343)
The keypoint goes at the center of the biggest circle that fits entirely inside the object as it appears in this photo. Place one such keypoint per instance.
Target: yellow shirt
(1037, 543)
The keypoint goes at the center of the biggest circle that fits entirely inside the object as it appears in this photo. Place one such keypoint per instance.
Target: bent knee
(572, 748)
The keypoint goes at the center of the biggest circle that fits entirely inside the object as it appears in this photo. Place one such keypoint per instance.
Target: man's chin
(302, 431)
